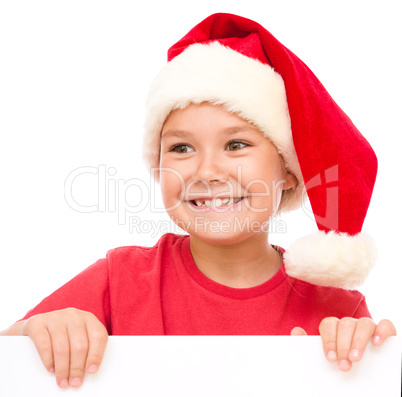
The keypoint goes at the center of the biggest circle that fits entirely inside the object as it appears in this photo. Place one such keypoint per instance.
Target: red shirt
(159, 290)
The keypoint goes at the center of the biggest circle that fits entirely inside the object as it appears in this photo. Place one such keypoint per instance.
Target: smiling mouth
(216, 202)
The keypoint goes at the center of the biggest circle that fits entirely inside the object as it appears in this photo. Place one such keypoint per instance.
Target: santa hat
(235, 62)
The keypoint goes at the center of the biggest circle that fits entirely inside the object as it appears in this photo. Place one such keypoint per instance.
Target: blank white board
(208, 366)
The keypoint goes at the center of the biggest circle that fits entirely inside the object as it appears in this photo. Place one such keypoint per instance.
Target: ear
(291, 181)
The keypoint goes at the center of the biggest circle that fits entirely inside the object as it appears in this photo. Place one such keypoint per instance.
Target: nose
(210, 168)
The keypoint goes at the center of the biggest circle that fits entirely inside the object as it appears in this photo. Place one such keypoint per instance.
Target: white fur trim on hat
(331, 259)
(219, 75)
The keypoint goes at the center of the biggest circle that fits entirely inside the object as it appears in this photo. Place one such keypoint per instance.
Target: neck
(246, 264)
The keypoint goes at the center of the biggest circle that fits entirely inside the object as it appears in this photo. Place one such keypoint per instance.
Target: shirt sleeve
(362, 309)
(88, 291)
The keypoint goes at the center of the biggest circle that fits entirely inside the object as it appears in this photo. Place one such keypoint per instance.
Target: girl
(237, 129)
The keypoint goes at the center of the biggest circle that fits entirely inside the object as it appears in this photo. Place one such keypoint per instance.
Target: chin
(221, 237)
(221, 228)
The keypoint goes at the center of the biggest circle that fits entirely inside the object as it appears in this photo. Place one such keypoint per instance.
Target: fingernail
(75, 382)
(92, 368)
(354, 353)
(51, 370)
(63, 383)
(377, 340)
(331, 355)
(344, 365)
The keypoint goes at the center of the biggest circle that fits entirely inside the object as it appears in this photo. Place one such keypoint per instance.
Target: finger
(98, 338)
(364, 330)
(61, 355)
(297, 331)
(43, 343)
(79, 346)
(328, 331)
(384, 329)
(346, 330)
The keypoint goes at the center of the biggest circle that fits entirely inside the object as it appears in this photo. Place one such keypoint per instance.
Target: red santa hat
(235, 62)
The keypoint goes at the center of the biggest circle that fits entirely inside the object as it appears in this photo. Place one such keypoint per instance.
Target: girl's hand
(69, 342)
(344, 340)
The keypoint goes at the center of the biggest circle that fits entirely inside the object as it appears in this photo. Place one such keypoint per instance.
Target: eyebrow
(225, 131)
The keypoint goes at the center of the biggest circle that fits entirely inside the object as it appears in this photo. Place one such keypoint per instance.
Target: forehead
(183, 123)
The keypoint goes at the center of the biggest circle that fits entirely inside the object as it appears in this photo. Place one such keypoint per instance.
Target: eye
(236, 145)
(182, 148)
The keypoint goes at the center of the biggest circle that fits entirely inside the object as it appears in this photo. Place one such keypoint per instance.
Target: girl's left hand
(344, 340)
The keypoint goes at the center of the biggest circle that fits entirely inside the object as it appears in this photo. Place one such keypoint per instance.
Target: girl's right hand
(69, 342)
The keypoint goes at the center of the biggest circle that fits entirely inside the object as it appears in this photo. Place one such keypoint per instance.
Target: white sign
(208, 366)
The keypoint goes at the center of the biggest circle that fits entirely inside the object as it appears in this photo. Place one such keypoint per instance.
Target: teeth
(217, 202)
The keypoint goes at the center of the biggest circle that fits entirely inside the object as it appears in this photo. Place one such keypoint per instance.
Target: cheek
(173, 187)
(264, 185)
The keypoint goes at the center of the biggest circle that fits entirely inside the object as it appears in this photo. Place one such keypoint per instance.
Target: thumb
(297, 331)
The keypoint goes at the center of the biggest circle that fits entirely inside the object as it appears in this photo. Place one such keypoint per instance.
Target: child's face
(209, 153)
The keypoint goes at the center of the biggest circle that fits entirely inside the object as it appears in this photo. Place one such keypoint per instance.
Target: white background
(73, 80)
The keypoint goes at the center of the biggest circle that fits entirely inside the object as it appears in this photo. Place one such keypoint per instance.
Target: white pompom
(331, 259)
